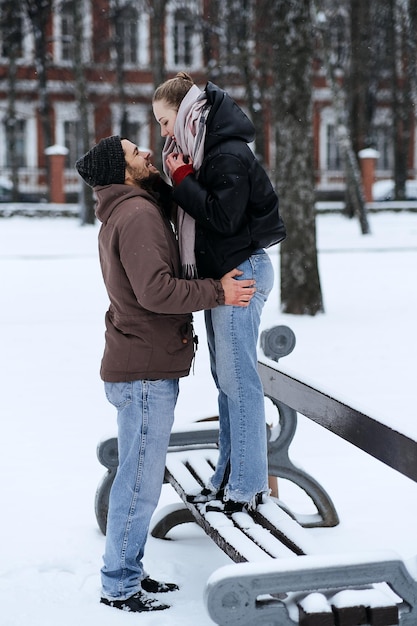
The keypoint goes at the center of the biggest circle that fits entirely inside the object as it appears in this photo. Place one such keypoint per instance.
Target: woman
(227, 214)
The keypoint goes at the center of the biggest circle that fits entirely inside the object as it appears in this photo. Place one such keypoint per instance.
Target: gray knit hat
(104, 164)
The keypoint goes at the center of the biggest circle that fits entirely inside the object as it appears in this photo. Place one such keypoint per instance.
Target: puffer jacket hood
(226, 119)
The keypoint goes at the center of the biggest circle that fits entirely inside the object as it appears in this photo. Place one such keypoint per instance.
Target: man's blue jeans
(232, 334)
(145, 414)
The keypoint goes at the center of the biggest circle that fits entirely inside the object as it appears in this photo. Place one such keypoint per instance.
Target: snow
(56, 150)
(315, 603)
(54, 413)
(384, 189)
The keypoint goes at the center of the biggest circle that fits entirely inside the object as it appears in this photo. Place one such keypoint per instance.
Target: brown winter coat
(149, 322)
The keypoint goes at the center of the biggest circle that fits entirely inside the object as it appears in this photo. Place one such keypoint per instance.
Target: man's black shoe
(155, 586)
(138, 603)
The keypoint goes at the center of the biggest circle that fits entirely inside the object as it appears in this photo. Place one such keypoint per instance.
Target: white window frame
(196, 47)
(27, 43)
(225, 56)
(135, 112)
(327, 118)
(26, 111)
(57, 33)
(67, 112)
(143, 37)
(383, 119)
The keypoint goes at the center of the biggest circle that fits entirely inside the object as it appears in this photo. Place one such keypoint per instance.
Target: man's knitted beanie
(104, 164)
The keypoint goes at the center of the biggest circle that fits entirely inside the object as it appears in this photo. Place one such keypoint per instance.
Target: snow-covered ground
(363, 349)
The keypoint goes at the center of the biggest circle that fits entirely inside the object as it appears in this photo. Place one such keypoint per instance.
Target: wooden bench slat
(359, 606)
(203, 466)
(246, 526)
(285, 528)
(315, 610)
(350, 615)
(242, 544)
(382, 616)
(278, 534)
(316, 619)
(178, 465)
(263, 537)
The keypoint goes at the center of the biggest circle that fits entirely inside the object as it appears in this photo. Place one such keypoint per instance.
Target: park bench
(266, 584)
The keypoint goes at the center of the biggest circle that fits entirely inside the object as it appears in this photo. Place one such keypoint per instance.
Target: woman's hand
(176, 160)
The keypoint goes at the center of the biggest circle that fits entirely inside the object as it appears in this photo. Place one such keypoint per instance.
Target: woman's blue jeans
(145, 414)
(232, 335)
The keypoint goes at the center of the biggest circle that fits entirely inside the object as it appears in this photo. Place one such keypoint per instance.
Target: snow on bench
(270, 532)
(336, 594)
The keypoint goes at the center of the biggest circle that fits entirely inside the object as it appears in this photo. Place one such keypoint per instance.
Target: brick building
(182, 48)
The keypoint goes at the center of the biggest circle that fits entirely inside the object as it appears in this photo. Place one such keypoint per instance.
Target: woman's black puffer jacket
(231, 198)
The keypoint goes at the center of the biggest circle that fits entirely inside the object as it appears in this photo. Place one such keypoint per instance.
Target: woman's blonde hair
(173, 90)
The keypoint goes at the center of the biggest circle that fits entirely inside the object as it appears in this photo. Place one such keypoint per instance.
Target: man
(149, 345)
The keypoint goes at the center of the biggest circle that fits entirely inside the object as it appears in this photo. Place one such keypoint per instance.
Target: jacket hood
(110, 196)
(226, 119)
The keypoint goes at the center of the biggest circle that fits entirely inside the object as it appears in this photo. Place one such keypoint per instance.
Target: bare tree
(238, 24)
(379, 49)
(325, 14)
(411, 26)
(39, 13)
(87, 214)
(157, 13)
(119, 14)
(267, 46)
(401, 90)
(362, 79)
(11, 34)
(292, 54)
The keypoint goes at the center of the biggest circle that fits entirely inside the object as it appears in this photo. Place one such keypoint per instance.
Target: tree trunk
(412, 47)
(157, 10)
(292, 105)
(10, 36)
(355, 199)
(401, 88)
(116, 15)
(86, 199)
(39, 12)
(361, 97)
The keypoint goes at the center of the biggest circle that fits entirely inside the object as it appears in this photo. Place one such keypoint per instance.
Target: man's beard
(144, 183)
(148, 184)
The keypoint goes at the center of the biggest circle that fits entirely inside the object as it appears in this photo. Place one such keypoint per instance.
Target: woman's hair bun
(184, 76)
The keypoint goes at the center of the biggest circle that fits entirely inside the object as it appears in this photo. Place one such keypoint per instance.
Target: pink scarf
(189, 132)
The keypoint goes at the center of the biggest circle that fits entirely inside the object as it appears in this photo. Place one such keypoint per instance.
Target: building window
(127, 40)
(133, 131)
(383, 137)
(235, 19)
(334, 162)
(71, 135)
(132, 122)
(11, 31)
(67, 31)
(64, 31)
(19, 145)
(182, 35)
